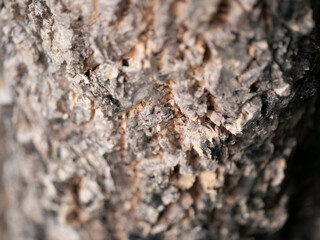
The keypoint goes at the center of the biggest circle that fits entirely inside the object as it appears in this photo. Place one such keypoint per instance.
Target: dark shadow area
(303, 185)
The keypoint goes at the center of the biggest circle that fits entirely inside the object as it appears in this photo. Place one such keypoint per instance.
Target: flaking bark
(160, 119)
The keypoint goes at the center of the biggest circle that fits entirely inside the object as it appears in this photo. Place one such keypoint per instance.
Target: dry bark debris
(156, 119)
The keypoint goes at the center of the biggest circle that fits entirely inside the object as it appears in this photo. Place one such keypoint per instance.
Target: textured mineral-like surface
(151, 119)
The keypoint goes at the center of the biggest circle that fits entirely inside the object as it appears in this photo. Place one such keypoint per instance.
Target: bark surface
(153, 119)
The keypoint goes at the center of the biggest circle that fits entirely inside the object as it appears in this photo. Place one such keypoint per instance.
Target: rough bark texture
(158, 119)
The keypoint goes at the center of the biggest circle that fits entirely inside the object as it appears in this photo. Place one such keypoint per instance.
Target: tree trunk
(154, 119)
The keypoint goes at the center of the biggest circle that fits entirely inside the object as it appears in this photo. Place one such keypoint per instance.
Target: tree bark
(153, 119)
